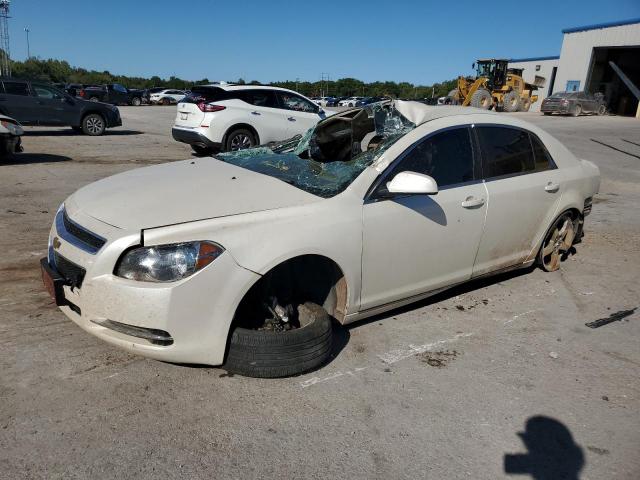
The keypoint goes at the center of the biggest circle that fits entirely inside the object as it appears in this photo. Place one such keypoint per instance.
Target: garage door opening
(604, 79)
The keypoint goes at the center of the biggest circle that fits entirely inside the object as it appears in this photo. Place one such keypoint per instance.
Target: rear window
(505, 151)
(16, 88)
(542, 156)
(206, 95)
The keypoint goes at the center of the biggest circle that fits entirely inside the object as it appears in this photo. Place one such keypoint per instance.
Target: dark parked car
(574, 103)
(112, 93)
(36, 103)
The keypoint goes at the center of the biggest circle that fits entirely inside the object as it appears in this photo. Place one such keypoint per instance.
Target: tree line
(60, 71)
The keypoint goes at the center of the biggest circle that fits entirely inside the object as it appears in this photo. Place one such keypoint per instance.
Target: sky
(419, 41)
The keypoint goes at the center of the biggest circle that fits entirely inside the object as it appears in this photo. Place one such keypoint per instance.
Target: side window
(45, 92)
(505, 151)
(119, 88)
(541, 154)
(16, 88)
(445, 156)
(259, 98)
(289, 101)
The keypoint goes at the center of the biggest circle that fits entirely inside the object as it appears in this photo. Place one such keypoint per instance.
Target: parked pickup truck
(112, 93)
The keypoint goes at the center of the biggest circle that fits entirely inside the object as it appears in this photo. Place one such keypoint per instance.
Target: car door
(259, 108)
(17, 102)
(54, 107)
(118, 94)
(413, 244)
(524, 188)
(301, 113)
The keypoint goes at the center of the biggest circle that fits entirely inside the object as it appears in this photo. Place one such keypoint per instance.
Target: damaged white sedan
(250, 258)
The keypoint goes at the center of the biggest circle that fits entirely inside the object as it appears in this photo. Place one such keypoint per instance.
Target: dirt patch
(438, 359)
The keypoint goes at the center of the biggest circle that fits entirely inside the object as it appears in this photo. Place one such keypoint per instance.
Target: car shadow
(72, 133)
(28, 158)
(452, 292)
(552, 453)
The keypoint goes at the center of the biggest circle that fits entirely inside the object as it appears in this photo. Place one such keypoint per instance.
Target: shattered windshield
(327, 158)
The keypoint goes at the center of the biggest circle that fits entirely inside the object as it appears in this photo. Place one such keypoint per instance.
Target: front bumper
(189, 318)
(193, 137)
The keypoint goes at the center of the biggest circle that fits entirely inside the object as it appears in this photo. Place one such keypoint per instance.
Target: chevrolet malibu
(249, 259)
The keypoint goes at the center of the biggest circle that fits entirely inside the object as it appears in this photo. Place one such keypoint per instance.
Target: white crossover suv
(228, 117)
(244, 259)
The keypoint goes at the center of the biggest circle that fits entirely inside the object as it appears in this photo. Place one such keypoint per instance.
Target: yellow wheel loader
(496, 86)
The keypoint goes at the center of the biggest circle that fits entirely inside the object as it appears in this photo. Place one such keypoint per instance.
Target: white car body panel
(391, 252)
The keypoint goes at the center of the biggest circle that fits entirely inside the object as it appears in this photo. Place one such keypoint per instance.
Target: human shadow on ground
(552, 452)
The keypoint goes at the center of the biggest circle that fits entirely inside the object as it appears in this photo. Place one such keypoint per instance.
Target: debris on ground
(614, 317)
(553, 354)
(438, 359)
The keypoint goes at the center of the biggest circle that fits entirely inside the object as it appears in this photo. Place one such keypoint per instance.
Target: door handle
(255, 113)
(552, 187)
(473, 202)
(291, 119)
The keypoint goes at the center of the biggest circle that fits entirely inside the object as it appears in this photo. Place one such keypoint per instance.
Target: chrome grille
(77, 235)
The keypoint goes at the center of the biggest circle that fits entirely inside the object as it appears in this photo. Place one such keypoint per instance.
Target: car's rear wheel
(547, 113)
(136, 101)
(93, 124)
(273, 354)
(602, 109)
(557, 243)
(166, 101)
(240, 139)
(201, 151)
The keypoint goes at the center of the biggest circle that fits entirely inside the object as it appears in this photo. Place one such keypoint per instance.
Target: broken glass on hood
(328, 157)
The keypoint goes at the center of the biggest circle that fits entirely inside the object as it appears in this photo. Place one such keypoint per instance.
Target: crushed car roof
(419, 113)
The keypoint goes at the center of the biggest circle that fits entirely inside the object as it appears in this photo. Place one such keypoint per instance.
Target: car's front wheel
(136, 101)
(93, 124)
(271, 354)
(557, 243)
(577, 111)
(240, 139)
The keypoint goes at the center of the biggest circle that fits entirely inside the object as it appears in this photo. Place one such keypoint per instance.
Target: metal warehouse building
(597, 58)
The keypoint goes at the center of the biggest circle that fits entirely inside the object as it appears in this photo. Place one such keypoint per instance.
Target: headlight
(167, 263)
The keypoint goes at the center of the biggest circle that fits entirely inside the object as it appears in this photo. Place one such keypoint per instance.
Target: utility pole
(324, 79)
(297, 80)
(5, 54)
(26, 29)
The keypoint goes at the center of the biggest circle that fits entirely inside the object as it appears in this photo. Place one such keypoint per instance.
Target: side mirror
(412, 183)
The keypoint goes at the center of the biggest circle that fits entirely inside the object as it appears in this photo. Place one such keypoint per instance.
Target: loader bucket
(539, 81)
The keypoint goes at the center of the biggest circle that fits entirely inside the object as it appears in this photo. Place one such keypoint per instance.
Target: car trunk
(189, 114)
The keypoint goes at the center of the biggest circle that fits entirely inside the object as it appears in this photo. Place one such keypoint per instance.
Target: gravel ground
(500, 374)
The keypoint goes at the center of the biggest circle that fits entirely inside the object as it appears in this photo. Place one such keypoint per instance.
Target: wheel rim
(94, 125)
(558, 244)
(240, 142)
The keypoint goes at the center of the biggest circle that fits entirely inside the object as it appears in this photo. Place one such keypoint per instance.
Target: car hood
(184, 191)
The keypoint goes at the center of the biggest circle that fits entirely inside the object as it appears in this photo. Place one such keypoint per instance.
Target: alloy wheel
(240, 142)
(558, 244)
(94, 125)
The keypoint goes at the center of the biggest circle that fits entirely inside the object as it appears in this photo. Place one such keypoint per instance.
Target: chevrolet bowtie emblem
(56, 243)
